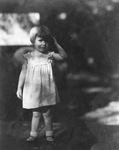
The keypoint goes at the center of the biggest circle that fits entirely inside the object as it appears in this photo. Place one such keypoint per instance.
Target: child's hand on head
(19, 93)
(55, 41)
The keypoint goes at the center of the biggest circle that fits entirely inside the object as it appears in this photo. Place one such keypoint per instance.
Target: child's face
(41, 45)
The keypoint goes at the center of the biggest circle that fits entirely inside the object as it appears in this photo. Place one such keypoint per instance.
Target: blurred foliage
(85, 28)
(37, 5)
(15, 28)
(7, 21)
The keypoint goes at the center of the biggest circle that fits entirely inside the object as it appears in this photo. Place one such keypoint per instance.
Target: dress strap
(50, 57)
(27, 55)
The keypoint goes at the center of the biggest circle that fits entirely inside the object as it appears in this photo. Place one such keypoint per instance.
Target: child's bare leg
(48, 124)
(34, 125)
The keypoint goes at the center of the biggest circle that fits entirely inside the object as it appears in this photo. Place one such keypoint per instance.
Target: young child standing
(36, 86)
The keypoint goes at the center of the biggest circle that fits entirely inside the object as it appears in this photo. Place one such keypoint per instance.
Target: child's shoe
(33, 136)
(31, 139)
(49, 136)
(50, 139)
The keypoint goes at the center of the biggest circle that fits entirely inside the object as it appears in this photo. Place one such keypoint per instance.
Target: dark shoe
(50, 139)
(31, 139)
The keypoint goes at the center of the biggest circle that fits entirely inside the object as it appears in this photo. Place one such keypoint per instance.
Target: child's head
(40, 31)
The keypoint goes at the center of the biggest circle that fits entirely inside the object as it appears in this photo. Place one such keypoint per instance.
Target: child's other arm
(21, 80)
(61, 53)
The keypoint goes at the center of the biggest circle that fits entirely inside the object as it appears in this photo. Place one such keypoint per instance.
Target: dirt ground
(70, 129)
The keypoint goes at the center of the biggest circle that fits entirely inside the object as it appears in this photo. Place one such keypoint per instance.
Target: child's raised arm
(21, 80)
(61, 53)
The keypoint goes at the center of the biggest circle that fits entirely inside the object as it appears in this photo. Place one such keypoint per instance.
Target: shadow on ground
(70, 129)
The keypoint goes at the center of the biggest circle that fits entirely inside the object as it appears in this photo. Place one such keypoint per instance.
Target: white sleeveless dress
(39, 87)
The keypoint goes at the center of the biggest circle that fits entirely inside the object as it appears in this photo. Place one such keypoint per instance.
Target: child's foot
(50, 139)
(31, 139)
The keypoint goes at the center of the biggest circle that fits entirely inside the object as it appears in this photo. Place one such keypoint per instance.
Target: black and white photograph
(59, 74)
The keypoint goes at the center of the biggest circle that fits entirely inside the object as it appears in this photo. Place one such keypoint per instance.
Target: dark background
(87, 80)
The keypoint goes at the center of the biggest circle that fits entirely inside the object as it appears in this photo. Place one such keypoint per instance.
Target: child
(36, 86)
